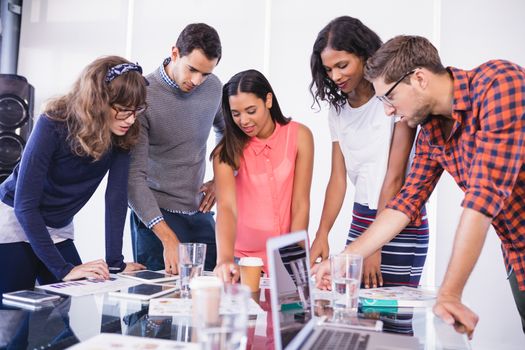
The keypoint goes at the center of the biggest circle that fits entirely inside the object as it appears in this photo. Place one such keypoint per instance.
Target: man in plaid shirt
(472, 125)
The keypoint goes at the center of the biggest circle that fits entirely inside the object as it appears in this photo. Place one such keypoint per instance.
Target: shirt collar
(259, 145)
(171, 83)
(461, 100)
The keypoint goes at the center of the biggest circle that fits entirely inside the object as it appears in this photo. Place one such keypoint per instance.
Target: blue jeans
(20, 267)
(519, 297)
(196, 228)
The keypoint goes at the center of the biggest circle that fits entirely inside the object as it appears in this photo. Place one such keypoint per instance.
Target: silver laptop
(295, 326)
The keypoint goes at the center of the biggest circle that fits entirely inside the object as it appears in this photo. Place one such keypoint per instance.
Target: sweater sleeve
(140, 197)
(218, 125)
(116, 207)
(34, 166)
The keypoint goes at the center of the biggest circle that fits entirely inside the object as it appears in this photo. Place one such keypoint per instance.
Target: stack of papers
(80, 288)
(182, 307)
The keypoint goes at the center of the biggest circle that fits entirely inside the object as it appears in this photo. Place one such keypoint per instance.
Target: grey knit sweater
(169, 162)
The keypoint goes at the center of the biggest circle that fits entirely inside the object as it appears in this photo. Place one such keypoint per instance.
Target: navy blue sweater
(51, 184)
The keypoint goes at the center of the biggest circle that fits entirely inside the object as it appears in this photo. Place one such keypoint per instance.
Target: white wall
(59, 37)
(496, 31)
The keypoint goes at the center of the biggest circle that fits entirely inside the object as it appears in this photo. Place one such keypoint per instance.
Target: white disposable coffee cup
(206, 299)
(251, 268)
(199, 282)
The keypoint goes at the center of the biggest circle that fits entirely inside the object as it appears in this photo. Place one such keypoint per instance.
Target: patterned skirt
(403, 258)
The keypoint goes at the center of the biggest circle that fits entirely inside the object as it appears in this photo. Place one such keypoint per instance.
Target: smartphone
(29, 296)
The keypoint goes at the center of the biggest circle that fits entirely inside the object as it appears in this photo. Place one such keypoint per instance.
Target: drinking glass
(346, 280)
(230, 332)
(191, 264)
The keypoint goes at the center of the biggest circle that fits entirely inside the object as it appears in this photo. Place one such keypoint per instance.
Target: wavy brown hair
(86, 108)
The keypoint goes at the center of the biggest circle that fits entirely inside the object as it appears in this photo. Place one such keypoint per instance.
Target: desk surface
(76, 319)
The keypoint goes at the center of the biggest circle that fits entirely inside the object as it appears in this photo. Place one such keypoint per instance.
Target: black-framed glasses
(123, 114)
(384, 98)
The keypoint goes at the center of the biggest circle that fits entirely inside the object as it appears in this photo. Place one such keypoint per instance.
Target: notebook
(295, 326)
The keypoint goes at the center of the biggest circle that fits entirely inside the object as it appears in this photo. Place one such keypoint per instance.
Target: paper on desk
(182, 307)
(80, 288)
(108, 341)
(401, 296)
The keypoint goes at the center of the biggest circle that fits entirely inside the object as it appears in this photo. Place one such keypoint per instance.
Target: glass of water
(230, 332)
(191, 264)
(346, 280)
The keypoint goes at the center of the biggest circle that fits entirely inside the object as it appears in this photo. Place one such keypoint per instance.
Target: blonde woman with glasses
(80, 137)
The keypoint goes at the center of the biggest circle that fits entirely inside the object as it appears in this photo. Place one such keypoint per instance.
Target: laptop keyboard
(334, 339)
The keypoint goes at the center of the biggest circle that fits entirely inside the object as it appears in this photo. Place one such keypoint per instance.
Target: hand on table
(450, 309)
(319, 249)
(97, 269)
(323, 279)
(133, 266)
(228, 272)
(171, 256)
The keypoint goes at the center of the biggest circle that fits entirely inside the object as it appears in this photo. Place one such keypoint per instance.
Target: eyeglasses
(123, 114)
(384, 98)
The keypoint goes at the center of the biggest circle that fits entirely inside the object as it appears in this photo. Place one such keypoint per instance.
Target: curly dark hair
(343, 34)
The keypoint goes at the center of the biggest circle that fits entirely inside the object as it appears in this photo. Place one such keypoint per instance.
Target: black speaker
(16, 120)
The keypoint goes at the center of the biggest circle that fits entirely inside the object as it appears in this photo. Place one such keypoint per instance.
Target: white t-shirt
(364, 135)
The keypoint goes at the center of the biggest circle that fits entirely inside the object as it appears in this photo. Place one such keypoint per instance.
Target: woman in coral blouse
(263, 172)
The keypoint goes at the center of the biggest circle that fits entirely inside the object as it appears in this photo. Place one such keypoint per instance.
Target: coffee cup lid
(205, 282)
(250, 261)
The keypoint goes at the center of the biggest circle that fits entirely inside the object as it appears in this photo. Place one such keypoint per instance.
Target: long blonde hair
(85, 108)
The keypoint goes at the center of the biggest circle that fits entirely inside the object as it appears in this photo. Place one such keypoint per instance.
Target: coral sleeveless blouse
(264, 185)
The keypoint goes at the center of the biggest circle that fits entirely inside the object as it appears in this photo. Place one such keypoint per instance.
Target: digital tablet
(150, 276)
(143, 291)
(29, 296)
(27, 306)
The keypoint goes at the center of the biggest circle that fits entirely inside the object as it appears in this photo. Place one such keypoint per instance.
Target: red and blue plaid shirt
(484, 153)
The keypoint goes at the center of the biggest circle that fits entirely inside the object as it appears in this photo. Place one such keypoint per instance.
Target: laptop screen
(293, 305)
(292, 284)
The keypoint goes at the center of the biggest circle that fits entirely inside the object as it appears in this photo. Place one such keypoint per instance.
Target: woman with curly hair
(369, 147)
(78, 139)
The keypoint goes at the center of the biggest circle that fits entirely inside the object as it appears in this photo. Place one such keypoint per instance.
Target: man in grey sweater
(169, 201)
